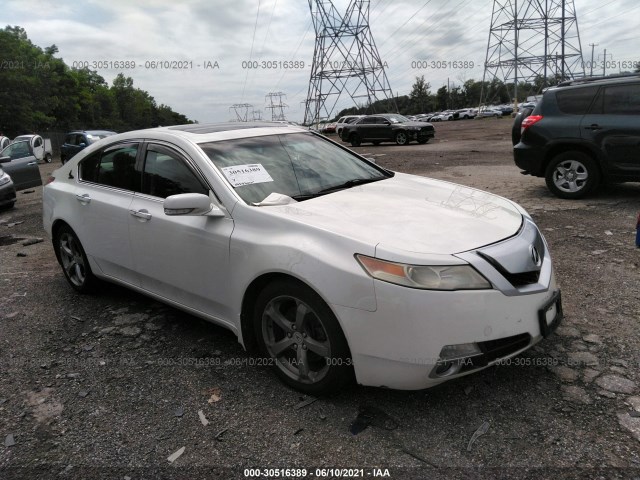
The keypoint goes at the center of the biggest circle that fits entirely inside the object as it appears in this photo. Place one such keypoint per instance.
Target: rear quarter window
(575, 101)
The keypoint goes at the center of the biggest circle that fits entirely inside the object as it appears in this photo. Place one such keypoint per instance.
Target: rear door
(100, 208)
(613, 124)
(22, 167)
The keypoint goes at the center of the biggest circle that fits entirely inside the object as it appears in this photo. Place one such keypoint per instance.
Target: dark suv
(583, 132)
(388, 127)
(77, 140)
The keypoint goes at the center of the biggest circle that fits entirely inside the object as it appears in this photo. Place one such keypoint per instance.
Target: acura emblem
(535, 256)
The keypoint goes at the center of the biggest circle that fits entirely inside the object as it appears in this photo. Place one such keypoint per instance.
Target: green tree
(419, 95)
(442, 97)
(38, 92)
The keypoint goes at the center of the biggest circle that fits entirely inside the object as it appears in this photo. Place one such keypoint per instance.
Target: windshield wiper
(348, 184)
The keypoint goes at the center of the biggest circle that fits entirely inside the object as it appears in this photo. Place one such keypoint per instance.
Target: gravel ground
(111, 385)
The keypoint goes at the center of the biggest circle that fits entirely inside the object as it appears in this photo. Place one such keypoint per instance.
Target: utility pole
(593, 46)
(604, 63)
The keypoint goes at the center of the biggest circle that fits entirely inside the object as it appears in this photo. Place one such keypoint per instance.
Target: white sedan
(329, 265)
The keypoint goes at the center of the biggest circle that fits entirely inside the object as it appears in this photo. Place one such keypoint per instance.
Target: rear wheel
(301, 338)
(48, 158)
(572, 175)
(354, 139)
(402, 138)
(73, 260)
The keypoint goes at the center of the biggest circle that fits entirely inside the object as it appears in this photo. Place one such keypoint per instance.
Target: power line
(255, 27)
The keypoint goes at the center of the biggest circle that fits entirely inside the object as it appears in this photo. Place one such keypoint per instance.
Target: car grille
(503, 347)
(521, 279)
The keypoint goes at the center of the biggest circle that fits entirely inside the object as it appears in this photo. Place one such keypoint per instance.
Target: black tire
(572, 175)
(423, 141)
(354, 139)
(62, 160)
(402, 138)
(48, 158)
(465, 117)
(73, 260)
(376, 142)
(301, 338)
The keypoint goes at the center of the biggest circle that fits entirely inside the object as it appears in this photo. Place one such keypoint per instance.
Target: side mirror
(82, 145)
(387, 122)
(191, 204)
(5, 159)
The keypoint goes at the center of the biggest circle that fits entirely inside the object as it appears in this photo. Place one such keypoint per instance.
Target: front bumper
(7, 194)
(399, 345)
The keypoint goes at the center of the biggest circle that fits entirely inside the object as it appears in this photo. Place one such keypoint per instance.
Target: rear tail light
(530, 120)
(50, 179)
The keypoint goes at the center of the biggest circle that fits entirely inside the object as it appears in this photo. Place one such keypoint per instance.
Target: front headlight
(436, 277)
(4, 179)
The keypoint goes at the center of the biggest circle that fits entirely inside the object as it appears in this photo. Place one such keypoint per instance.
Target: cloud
(216, 30)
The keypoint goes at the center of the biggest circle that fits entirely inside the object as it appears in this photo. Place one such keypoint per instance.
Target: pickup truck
(41, 147)
(387, 127)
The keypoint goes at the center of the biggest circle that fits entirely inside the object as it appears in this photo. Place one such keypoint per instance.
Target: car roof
(211, 132)
(92, 132)
(585, 81)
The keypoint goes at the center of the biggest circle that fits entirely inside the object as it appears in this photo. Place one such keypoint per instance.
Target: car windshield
(397, 118)
(300, 165)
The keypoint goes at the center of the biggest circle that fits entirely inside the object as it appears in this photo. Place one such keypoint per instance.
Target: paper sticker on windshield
(241, 175)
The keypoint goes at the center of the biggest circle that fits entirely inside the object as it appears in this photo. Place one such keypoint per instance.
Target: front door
(22, 167)
(613, 124)
(182, 258)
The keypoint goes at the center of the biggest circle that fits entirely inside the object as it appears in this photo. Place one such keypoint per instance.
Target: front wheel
(572, 175)
(402, 138)
(73, 260)
(354, 140)
(300, 336)
(48, 158)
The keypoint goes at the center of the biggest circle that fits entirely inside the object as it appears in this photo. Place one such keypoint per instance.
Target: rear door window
(113, 167)
(575, 101)
(621, 100)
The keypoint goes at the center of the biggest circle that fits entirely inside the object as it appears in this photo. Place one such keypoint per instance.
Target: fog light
(456, 359)
(462, 350)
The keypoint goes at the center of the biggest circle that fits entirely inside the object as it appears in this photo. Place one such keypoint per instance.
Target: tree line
(39, 92)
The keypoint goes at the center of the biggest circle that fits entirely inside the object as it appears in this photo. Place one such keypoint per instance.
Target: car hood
(407, 213)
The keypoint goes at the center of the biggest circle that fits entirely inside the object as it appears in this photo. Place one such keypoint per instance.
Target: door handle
(593, 126)
(143, 214)
(32, 163)
(84, 198)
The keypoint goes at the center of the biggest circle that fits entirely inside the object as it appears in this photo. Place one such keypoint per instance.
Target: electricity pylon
(536, 42)
(276, 106)
(345, 61)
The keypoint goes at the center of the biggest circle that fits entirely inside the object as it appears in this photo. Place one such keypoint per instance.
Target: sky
(217, 41)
